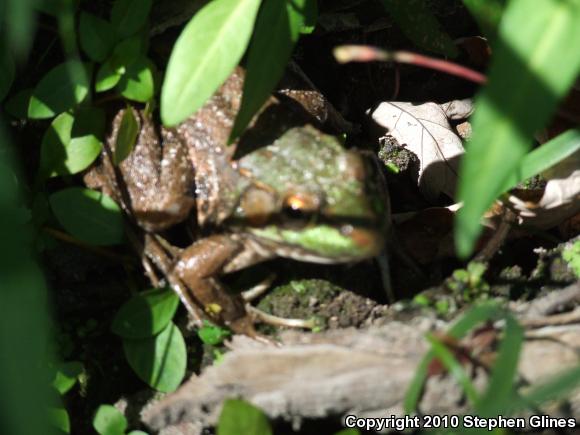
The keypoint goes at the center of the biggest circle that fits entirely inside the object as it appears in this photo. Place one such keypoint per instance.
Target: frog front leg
(199, 267)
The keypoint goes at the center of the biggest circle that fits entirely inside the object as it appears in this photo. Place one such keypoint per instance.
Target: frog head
(310, 199)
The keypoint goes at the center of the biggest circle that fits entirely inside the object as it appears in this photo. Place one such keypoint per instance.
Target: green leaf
(88, 215)
(60, 89)
(277, 30)
(17, 105)
(205, 54)
(137, 83)
(128, 16)
(126, 52)
(126, 137)
(66, 376)
(108, 420)
(558, 386)
(544, 157)
(7, 71)
(70, 145)
(418, 24)
(96, 36)
(107, 77)
(534, 64)
(211, 334)
(160, 361)
(241, 418)
(453, 367)
(501, 386)
(487, 13)
(146, 313)
(310, 17)
(59, 419)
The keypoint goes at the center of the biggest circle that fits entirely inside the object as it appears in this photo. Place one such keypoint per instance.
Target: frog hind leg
(199, 267)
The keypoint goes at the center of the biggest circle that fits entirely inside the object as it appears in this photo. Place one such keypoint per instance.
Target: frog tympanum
(284, 188)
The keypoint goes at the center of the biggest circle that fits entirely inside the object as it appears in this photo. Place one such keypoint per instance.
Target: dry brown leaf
(424, 129)
(560, 199)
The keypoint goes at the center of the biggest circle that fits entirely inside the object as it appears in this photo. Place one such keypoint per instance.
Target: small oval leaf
(108, 420)
(66, 376)
(88, 215)
(239, 417)
(137, 83)
(205, 54)
(160, 360)
(96, 36)
(146, 313)
(126, 137)
(60, 89)
(62, 153)
(128, 16)
(107, 77)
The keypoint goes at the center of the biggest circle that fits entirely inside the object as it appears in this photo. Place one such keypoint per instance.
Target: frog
(285, 188)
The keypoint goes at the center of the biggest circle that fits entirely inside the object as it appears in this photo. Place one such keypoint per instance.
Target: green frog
(284, 189)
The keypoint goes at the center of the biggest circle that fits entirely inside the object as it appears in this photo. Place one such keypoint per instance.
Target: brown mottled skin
(235, 192)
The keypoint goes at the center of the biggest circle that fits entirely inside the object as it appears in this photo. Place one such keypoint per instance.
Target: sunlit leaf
(96, 36)
(108, 420)
(88, 215)
(60, 89)
(146, 313)
(107, 77)
(66, 376)
(534, 64)
(240, 418)
(137, 83)
(67, 149)
(211, 334)
(277, 30)
(160, 360)
(310, 16)
(419, 24)
(60, 419)
(205, 54)
(128, 16)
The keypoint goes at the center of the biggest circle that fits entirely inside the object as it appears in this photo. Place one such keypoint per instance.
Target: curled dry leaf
(559, 200)
(424, 129)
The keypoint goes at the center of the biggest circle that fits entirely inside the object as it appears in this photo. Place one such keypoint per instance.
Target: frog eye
(300, 205)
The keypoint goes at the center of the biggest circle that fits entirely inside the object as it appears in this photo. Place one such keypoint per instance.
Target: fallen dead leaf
(424, 129)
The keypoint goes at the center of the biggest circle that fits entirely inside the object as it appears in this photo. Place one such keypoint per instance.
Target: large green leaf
(535, 62)
(277, 30)
(205, 54)
(242, 418)
(160, 360)
(419, 24)
(60, 89)
(146, 313)
(88, 215)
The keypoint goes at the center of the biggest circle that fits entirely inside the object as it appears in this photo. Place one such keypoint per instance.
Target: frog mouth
(321, 243)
